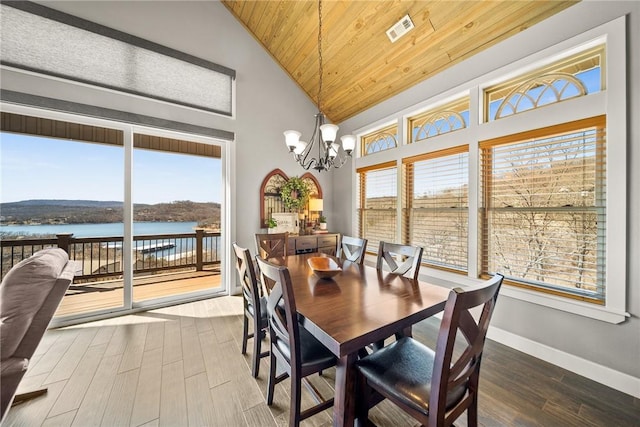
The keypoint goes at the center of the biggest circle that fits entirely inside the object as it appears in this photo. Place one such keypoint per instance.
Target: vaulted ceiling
(361, 66)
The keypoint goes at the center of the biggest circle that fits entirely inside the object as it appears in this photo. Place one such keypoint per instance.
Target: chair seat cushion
(403, 370)
(312, 351)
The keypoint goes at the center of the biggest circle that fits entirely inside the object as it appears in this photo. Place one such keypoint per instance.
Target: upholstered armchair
(29, 296)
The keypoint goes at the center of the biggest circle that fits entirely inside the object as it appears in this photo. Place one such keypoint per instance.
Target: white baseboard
(607, 376)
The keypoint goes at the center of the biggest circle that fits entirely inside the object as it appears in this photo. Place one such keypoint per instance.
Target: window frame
(612, 101)
(408, 207)
(598, 122)
(360, 203)
(71, 113)
(374, 134)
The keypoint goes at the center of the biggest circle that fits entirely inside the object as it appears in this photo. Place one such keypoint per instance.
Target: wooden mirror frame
(269, 184)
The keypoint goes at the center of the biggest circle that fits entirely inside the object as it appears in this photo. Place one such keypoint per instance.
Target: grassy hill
(94, 211)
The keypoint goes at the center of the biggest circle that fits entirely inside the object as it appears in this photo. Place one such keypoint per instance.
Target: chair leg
(296, 394)
(257, 344)
(362, 402)
(245, 333)
(272, 378)
(472, 412)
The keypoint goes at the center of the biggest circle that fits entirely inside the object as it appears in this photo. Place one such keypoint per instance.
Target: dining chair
(352, 249)
(409, 258)
(299, 352)
(271, 245)
(433, 387)
(254, 307)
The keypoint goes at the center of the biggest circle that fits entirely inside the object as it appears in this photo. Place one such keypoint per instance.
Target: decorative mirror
(270, 200)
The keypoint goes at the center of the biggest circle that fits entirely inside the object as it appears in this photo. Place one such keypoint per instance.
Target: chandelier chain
(330, 153)
(320, 70)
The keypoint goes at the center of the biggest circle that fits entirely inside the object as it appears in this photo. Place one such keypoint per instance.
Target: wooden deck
(88, 297)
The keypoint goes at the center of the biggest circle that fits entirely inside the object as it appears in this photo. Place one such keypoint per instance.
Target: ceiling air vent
(400, 28)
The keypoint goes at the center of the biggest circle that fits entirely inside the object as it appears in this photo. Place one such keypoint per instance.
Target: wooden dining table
(355, 308)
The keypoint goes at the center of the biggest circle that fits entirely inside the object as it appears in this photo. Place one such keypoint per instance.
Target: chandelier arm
(307, 151)
(340, 159)
(305, 165)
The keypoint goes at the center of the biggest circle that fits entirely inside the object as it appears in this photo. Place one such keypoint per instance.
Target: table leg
(344, 406)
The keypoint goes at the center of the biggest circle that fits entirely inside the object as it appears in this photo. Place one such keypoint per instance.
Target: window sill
(580, 308)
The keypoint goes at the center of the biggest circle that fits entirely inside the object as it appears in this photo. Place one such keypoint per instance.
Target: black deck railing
(101, 257)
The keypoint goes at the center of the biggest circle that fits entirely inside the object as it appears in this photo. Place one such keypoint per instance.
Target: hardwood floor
(181, 366)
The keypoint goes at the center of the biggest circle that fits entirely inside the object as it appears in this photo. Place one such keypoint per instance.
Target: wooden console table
(325, 243)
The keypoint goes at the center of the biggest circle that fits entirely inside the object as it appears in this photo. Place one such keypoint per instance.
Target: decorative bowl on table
(324, 267)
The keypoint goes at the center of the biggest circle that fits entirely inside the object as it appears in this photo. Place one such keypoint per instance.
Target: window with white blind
(544, 208)
(437, 209)
(377, 204)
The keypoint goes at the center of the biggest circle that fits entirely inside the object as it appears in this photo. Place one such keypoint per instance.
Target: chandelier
(330, 154)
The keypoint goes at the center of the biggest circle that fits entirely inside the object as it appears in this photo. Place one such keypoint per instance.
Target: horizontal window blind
(544, 208)
(437, 207)
(378, 206)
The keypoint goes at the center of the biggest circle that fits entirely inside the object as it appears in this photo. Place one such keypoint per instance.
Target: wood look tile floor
(181, 366)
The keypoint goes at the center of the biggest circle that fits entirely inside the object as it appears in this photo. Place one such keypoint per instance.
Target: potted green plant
(271, 225)
(323, 222)
(294, 194)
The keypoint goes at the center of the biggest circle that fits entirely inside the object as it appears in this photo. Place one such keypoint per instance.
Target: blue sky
(42, 168)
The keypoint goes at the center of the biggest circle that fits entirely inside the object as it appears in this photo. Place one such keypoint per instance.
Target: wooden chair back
(247, 274)
(283, 325)
(287, 341)
(403, 260)
(272, 245)
(450, 372)
(253, 311)
(352, 249)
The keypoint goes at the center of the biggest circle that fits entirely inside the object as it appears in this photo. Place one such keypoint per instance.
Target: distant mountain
(50, 202)
(95, 211)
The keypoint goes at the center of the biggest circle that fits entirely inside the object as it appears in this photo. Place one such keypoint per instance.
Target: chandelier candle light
(330, 153)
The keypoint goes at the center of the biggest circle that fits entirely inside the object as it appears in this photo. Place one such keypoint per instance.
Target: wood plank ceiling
(361, 66)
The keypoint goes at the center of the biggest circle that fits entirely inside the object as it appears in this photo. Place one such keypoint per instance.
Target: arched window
(539, 91)
(380, 140)
(571, 77)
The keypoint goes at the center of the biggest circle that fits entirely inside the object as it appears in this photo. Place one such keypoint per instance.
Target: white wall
(268, 101)
(606, 352)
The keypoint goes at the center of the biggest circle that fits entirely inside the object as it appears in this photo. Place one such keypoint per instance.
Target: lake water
(102, 230)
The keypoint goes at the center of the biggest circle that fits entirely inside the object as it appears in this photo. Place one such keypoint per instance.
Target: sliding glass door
(177, 196)
(62, 185)
(140, 211)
